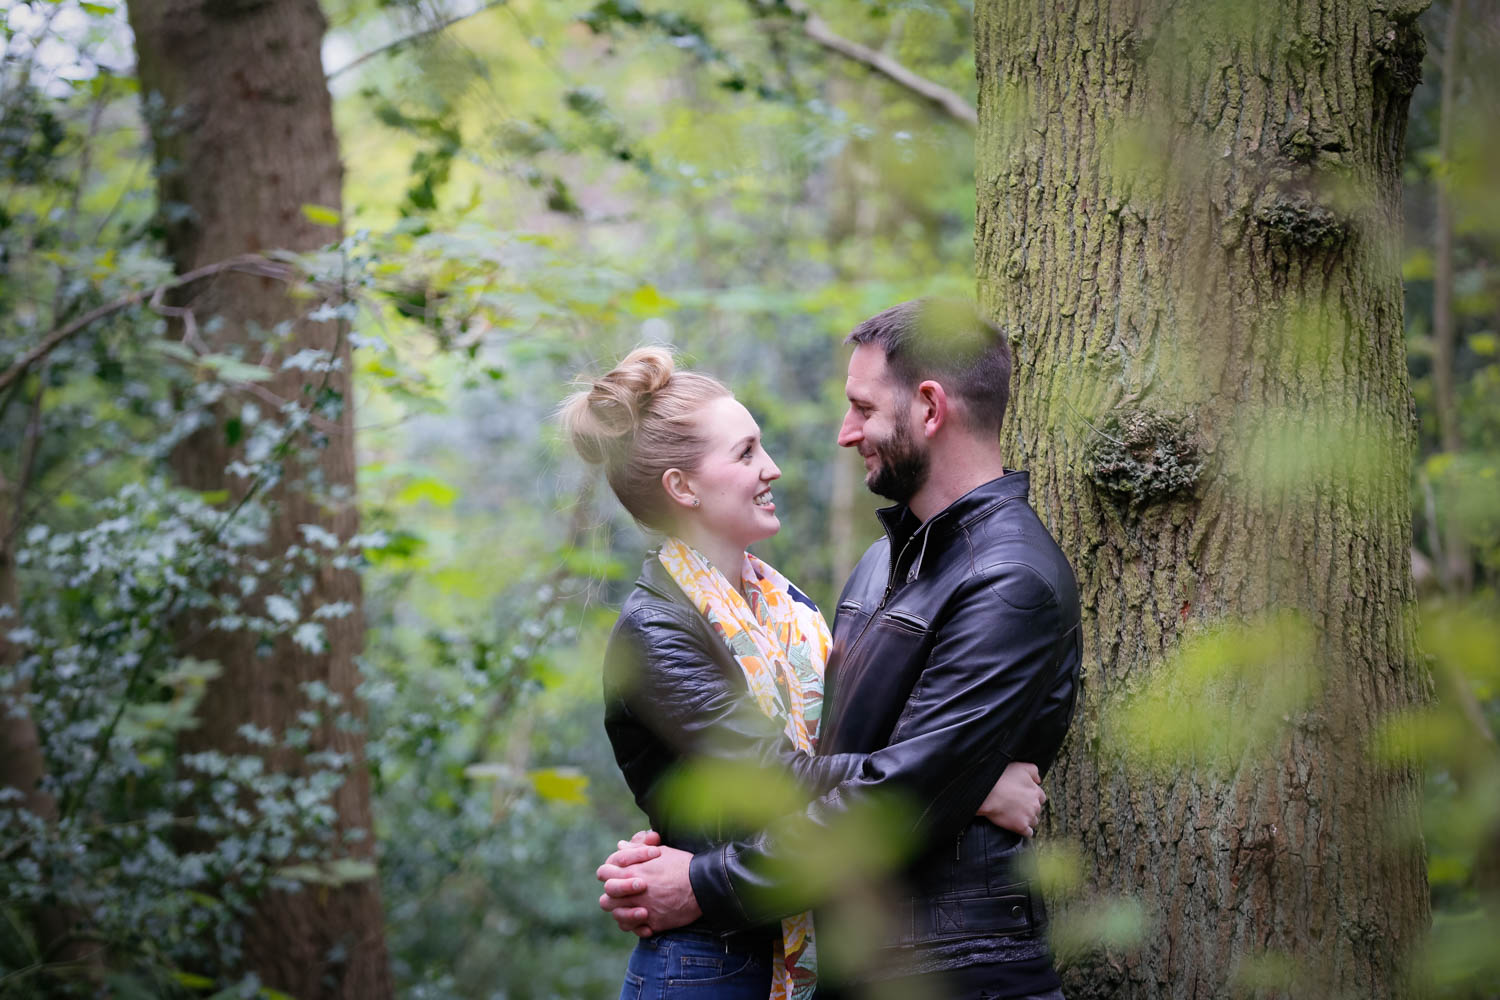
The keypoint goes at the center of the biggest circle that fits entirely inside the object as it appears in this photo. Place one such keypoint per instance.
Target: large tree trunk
(1189, 221)
(244, 140)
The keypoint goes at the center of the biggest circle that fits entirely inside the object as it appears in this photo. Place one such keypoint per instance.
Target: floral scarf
(781, 642)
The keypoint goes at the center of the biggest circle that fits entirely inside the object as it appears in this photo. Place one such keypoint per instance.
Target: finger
(1035, 774)
(645, 837)
(620, 887)
(1031, 831)
(607, 871)
(642, 931)
(634, 855)
(1043, 793)
(630, 919)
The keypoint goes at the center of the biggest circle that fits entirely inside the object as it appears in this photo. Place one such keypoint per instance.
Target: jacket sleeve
(657, 666)
(992, 664)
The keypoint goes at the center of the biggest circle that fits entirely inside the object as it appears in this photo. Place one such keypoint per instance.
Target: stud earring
(696, 501)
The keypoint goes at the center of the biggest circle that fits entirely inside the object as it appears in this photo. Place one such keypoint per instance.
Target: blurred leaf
(647, 301)
(561, 784)
(192, 980)
(429, 489)
(1113, 923)
(235, 370)
(1245, 681)
(321, 214)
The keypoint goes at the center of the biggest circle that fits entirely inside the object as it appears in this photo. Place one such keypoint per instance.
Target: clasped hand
(646, 885)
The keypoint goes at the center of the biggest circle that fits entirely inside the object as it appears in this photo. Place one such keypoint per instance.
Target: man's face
(880, 425)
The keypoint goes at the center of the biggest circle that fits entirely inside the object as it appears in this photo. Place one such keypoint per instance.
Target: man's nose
(849, 431)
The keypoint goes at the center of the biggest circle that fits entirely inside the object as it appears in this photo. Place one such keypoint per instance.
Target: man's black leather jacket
(956, 650)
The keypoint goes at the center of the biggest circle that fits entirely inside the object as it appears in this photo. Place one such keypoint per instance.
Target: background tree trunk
(244, 140)
(1188, 218)
(1457, 563)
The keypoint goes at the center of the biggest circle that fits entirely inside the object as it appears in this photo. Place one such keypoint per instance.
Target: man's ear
(932, 408)
(679, 490)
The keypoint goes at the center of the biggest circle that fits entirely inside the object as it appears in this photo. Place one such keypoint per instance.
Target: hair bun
(602, 418)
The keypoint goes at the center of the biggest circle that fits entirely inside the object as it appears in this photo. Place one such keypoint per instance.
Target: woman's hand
(1015, 803)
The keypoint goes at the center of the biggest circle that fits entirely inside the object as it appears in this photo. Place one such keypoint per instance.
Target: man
(956, 650)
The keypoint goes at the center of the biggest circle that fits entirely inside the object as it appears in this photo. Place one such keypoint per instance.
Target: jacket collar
(655, 578)
(901, 525)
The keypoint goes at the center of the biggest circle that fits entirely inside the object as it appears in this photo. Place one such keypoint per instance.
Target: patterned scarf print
(781, 644)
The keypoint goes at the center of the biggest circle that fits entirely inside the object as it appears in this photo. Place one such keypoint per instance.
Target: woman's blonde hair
(639, 420)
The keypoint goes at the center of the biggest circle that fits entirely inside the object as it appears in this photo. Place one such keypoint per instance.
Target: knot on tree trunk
(1295, 218)
(1139, 457)
(1399, 48)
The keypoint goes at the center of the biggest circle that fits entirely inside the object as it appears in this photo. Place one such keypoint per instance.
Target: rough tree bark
(1188, 218)
(244, 139)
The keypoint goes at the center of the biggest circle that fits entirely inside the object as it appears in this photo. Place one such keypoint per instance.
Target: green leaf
(191, 980)
(1486, 344)
(430, 489)
(321, 214)
(233, 369)
(173, 349)
(339, 871)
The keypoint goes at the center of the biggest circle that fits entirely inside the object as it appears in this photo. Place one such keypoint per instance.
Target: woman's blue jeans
(696, 964)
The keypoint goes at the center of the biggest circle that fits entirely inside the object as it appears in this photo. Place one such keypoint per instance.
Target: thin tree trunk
(23, 765)
(1188, 220)
(1457, 566)
(244, 141)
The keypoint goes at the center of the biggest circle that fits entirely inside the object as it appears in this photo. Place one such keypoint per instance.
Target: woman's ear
(679, 490)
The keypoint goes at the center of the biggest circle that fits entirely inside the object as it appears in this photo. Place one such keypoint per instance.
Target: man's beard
(903, 467)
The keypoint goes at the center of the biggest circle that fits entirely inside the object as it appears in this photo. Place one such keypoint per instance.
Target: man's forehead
(868, 370)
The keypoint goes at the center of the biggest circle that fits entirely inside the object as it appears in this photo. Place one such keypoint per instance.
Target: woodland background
(234, 682)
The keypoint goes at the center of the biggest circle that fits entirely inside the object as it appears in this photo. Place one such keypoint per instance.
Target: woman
(716, 657)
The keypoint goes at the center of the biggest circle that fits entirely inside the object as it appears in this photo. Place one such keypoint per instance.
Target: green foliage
(531, 192)
(1245, 683)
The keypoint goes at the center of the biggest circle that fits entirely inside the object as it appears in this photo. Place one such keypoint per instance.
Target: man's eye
(748, 452)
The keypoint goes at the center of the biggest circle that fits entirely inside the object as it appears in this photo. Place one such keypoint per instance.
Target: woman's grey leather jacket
(674, 695)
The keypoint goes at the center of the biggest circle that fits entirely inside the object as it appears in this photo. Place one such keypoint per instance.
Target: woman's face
(733, 479)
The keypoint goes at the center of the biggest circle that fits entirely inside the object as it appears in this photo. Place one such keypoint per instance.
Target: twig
(946, 100)
(407, 39)
(248, 263)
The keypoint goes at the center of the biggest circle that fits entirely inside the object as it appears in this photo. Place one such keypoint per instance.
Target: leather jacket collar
(901, 525)
(655, 579)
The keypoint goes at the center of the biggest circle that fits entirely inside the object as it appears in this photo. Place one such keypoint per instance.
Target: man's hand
(646, 888)
(1015, 803)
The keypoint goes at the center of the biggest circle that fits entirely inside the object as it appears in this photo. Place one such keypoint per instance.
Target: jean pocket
(711, 970)
(633, 986)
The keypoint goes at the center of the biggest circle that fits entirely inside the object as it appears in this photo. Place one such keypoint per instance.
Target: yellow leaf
(321, 214)
(561, 784)
(646, 300)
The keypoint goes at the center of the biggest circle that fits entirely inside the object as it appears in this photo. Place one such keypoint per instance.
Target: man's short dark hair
(947, 341)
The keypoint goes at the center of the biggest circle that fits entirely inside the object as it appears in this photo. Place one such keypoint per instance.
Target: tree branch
(944, 99)
(249, 263)
(407, 39)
